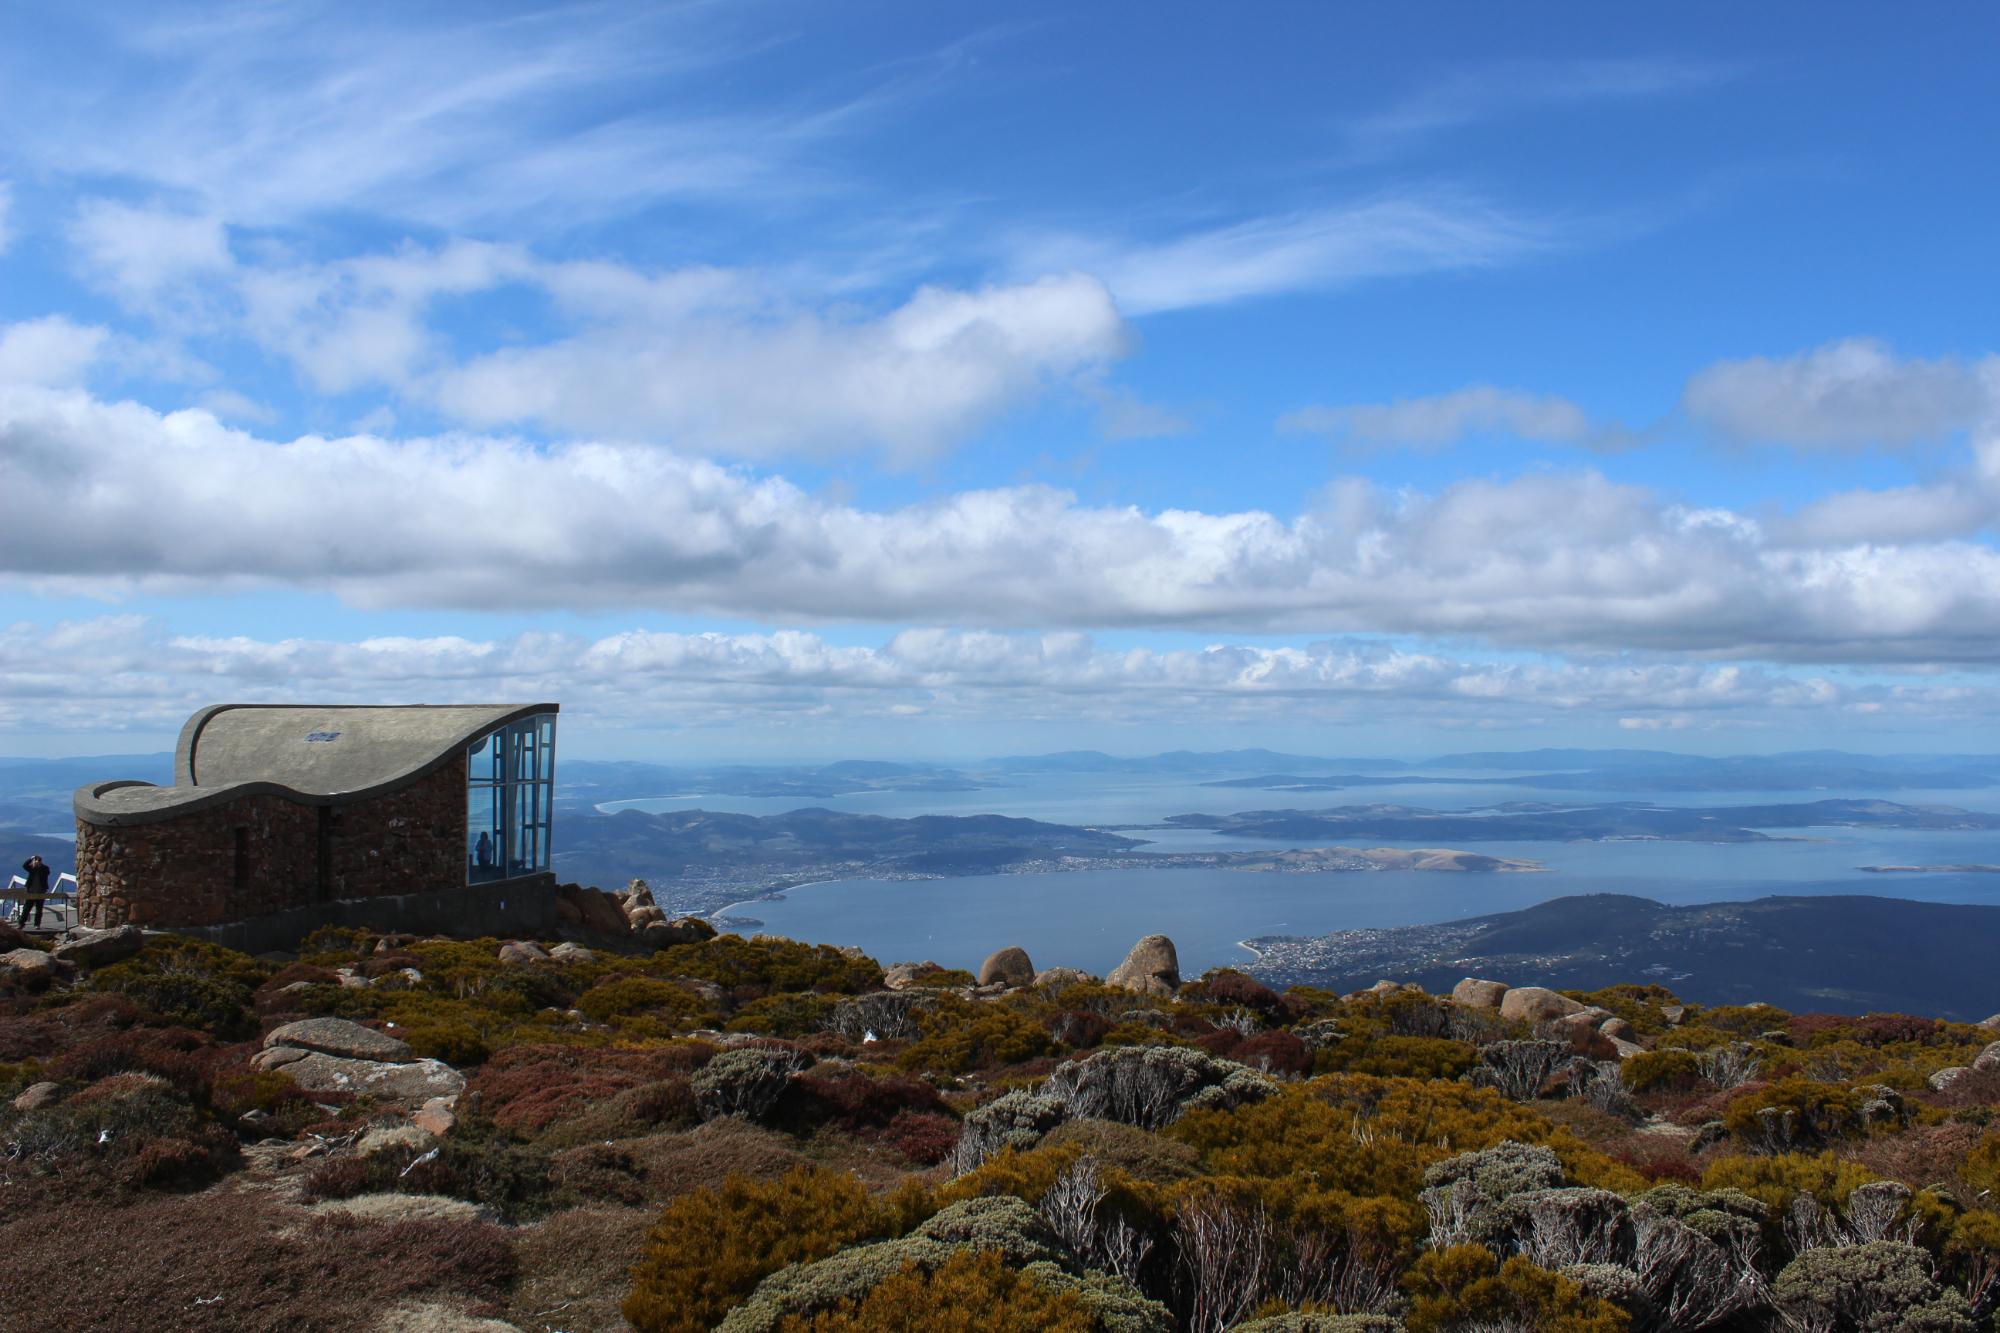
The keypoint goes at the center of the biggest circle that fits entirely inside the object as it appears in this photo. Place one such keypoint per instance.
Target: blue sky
(777, 380)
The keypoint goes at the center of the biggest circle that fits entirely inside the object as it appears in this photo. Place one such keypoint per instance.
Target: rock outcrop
(97, 948)
(1536, 1004)
(1008, 967)
(1152, 968)
(338, 1036)
(334, 1055)
(1472, 993)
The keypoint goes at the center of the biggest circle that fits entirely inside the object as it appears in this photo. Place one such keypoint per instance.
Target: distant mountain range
(1831, 954)
(1532, 821)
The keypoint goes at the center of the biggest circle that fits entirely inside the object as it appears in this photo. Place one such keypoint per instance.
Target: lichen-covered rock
(33, 970)
(337, 1036)
(1943, 1078)
(1150, 1086)
(1536, 1004)
(902, 976)
(1988, 1058)
(436, 1117)
(1153, 967)
(1472, 993)
(566, 952)
(523, 951)
(1007, 967)
(409, 1084)
(1064, 976)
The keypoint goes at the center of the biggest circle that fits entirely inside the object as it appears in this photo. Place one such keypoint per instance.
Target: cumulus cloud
(150, 678)
(48, 351)
(912, 380)
(1846, 394)
(1553, 561)
(1441, 420)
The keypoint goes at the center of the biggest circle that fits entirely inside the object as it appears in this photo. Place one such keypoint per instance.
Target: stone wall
(261, 854)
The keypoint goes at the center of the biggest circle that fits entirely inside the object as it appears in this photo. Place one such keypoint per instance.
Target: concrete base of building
(513, 907)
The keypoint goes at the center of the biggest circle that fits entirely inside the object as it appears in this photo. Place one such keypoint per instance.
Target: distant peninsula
(708, 859)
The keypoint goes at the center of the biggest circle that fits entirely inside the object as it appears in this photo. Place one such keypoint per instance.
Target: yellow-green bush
(710, 1248)
(1776, 1181)
(1466, 1284)
(961, 1035)
(971, 1292)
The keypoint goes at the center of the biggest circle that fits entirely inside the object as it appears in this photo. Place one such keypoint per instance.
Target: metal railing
(59, 905)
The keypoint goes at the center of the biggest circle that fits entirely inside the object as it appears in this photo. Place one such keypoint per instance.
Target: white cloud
(150, 678)
(1851, 393)
(911, 381)
(1444, 419)
(1475, 95)
(49, 351)
(142, 254)
(1315, 249)
(1547, 560)
(267, 116)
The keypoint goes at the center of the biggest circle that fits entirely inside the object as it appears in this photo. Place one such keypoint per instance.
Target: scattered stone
(1775, 1036)
(597, 911)
(338, 1036)
(1472, 993)
(1064, 976)
(295, 987)
(438, 1317)
(523, 951)
(409, 1084)
(1626, 1049)
(902, 976)
(1675, 1014)
(350, 978)
(1992, 1021)
(1708, 1135)
(571, 953)
(386, 1139)
(1009, 967)
(1944, 1078)
(1617, 1029)
(436, 1117)
(38, 1095)
(641, 917)
(681, 930)
(97, 948)
(1536, 1004)
(638, 894)
(1988, 1058)
(1152, 968)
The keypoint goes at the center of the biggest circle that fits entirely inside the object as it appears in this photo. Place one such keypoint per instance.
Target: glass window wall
(510, 799)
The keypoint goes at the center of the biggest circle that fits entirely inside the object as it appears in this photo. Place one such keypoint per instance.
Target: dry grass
(575, 1269)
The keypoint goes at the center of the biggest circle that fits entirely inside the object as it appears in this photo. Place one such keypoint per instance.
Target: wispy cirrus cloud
(1474, 95)
(1312, 249)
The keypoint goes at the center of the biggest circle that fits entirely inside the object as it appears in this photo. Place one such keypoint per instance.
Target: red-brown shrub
(1078, 1029)
(526, 1088)
(856, 1100)
(925, 1137)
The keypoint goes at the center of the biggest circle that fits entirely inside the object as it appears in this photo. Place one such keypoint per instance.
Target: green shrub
(190, 982)
(1879, 1287)
(1661, 1071)
(973, 1291)
(963, 1035)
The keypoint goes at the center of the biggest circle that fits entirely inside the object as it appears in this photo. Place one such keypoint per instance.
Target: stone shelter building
(417, 816)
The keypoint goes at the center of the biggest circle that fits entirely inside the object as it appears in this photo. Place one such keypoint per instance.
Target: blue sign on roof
(322, 736)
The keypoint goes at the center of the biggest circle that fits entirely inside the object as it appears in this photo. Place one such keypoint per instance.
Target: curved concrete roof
(313, 755)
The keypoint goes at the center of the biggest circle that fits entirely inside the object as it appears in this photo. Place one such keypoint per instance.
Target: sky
(774, 381)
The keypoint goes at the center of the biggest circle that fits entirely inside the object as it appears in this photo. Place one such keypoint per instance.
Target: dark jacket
(38, 876)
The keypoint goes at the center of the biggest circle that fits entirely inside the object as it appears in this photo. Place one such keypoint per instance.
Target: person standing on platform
(36, 871)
